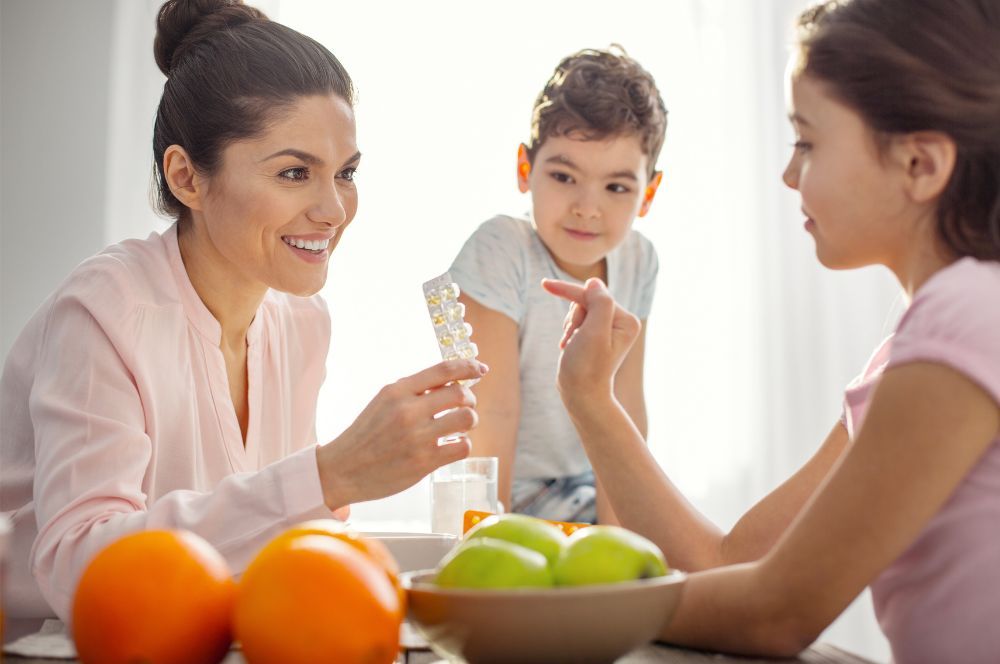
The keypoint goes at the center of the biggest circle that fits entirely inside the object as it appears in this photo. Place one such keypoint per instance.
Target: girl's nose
(791, 174)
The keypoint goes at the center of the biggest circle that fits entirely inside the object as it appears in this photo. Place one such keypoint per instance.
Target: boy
(590, 165)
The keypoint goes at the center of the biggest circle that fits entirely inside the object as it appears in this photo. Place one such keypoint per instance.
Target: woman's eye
(618, 188)
(801, 146)
(561, 177)
(349, 174)
(298, 173)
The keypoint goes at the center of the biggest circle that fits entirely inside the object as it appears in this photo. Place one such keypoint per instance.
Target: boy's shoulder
(508, 228)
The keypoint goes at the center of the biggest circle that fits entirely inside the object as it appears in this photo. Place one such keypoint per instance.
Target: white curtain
(750, 340)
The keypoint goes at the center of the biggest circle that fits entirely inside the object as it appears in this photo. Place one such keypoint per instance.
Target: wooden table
(415, 652)
(652, 654)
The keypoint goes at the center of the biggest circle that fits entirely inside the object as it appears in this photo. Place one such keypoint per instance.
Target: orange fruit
(315, 598)
(372, 548)
(156, 596)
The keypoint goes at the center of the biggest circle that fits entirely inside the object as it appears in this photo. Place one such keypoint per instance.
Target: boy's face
(585, 195)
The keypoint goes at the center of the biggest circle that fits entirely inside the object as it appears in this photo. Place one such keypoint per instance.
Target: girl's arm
(926, 428)
(498, 394)
(630, 477)
(629, 392)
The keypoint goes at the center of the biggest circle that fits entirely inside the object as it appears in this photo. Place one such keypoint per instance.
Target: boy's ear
(650, 193)
(182, 178)
(523, 168)
(929, 159)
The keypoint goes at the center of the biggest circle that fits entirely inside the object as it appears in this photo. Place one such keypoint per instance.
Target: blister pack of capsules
(454, 335)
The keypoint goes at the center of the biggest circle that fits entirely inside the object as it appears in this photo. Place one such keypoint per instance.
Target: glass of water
(469, 484)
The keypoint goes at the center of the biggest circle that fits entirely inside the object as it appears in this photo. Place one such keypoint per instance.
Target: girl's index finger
(565, 290)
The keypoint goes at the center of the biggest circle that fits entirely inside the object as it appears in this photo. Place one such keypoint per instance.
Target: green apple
(492, 563)
(607, 554)
(536, 534)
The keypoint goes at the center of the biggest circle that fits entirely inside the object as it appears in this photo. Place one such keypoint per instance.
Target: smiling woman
(172, 382)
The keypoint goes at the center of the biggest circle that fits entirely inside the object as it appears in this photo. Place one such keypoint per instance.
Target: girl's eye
(561, 177)
(349, 173)
(618, 188)
(297, 173)
(801, 146)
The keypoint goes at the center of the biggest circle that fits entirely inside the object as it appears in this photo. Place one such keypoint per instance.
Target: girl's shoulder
(964, 296)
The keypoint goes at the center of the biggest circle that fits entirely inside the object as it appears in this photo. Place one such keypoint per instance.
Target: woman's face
(279, 203)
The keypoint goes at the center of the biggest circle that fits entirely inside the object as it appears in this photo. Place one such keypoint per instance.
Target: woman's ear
(650, 193)
(523, 168)
(182, 178)
(929, 160)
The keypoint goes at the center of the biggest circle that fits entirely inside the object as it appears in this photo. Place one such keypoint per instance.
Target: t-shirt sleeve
(649, 269)
(955, 320)
(491, 267)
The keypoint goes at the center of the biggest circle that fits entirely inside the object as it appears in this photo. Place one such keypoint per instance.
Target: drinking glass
(469, 484)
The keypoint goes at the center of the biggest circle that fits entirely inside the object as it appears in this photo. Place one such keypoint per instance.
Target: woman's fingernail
(483, 368)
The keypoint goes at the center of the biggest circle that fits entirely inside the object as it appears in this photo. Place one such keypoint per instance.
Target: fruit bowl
(583, 624)
(414, 551)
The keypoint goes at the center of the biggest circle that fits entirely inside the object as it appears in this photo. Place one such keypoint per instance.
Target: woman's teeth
(311, 245)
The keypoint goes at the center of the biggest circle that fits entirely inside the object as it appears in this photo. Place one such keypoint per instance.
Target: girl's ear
(650, 193)
(929, 162)
(523, 168)
(182, 178)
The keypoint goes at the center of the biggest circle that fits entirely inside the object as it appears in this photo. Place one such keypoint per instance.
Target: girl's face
(585, 195)
(279, 203)
(853, 199)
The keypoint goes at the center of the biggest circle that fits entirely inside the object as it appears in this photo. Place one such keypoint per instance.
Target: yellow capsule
(445, 340)
(438, 319)
(433, 300)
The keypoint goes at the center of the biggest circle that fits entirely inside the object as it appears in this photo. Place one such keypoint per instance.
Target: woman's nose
(330, 208)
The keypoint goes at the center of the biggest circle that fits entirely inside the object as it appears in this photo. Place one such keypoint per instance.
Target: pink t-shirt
(115, 416)
(940, 600)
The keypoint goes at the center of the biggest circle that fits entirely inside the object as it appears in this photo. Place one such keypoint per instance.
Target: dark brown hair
(598, 94)
(230, 72)
(923, 65)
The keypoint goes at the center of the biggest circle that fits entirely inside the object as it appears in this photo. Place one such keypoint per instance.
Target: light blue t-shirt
(501, 266)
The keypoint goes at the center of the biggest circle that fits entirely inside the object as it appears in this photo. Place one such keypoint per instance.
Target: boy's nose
(586, 208)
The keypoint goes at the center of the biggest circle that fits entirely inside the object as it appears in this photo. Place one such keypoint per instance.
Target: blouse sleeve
(92, 454)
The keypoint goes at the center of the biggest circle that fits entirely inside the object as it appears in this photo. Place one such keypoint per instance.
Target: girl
(897, 162)
(172, 382)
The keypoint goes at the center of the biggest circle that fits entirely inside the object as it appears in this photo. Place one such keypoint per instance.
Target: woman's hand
(597, 336)
(394, 442)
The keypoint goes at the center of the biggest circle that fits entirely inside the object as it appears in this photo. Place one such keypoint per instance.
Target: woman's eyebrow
(298, 154)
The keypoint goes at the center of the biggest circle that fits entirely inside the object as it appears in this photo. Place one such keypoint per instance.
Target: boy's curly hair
(599, 94)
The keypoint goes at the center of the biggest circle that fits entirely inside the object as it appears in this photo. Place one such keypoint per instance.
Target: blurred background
(750, 342)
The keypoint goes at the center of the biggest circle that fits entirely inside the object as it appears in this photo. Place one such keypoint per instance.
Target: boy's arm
(630, 394)
(498, 394)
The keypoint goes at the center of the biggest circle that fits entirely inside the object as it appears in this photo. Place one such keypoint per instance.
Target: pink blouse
(939, 601)
(115, 416)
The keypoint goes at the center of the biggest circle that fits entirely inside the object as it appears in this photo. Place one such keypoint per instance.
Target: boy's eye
(298, 173)
(561, 177)
(349, 174)
(618, 188)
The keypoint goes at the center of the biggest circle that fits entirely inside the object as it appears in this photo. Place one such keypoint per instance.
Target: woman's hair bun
(181, 23)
